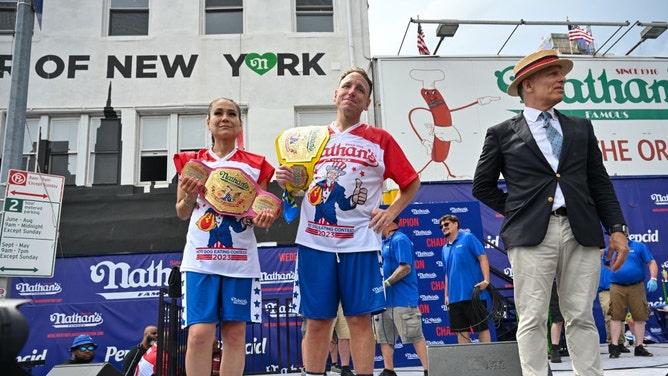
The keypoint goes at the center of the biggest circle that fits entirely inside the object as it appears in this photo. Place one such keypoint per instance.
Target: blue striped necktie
(553, 135)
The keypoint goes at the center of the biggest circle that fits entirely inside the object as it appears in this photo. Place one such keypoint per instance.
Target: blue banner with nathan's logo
(95, 279)
(644, 202)
(113, 297)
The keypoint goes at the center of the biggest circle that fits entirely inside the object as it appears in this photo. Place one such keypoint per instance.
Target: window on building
(223, 17)
(128, 17)
(56, 145)
(105, 151)
(63, 141)
(31, 146)
(153, 152)
(315, 16)
(314, 116)
(193, 134)
(7, 16)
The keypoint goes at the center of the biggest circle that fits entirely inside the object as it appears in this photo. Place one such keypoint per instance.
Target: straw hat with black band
(535, 62)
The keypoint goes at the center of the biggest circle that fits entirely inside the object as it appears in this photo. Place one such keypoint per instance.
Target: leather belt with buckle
(561, 211)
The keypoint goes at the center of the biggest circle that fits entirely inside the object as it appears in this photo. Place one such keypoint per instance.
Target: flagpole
(402, 41)
(570, 43)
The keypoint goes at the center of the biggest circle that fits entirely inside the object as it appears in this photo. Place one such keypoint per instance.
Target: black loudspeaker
(91, 369)
(475, 359)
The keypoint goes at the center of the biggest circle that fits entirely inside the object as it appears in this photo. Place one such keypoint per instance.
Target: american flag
(422, 47)
(578, 33)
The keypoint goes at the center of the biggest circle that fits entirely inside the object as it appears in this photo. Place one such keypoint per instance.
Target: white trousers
(577, 269)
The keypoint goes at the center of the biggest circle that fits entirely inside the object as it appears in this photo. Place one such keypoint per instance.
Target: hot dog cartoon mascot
(441, 130)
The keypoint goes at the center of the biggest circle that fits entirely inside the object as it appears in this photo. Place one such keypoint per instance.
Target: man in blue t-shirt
(466, 267)
(402, 317)
(627, 293)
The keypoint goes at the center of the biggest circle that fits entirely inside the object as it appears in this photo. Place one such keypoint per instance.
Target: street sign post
(30, 224)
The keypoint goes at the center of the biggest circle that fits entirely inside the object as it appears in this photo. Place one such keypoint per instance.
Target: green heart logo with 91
(261, 64)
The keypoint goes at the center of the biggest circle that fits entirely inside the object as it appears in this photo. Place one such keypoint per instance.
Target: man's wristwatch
(619, 228)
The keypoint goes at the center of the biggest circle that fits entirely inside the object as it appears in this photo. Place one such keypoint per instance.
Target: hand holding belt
(231, 191)
(299, 148)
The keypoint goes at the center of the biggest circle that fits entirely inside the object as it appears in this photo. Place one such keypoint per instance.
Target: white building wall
(74, 36)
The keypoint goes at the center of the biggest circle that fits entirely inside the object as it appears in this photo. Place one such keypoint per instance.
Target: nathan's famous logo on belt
(224, 191)
(231, 191)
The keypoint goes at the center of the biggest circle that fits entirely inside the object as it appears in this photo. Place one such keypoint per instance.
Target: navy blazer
(511, 150)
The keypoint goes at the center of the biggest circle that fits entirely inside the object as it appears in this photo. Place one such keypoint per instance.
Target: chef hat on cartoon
(428, 77)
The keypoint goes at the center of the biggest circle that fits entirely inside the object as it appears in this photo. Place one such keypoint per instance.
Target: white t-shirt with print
(362, 156)
(218, 244)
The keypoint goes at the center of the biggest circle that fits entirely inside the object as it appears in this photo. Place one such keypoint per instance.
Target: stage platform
(625, 365)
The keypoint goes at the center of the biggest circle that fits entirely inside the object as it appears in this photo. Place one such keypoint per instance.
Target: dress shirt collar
(532, 114)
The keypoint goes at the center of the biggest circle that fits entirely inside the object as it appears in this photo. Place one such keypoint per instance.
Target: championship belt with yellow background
(300, 148)
(231, 191)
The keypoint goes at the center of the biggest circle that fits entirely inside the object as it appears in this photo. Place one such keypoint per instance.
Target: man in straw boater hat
(557, 195)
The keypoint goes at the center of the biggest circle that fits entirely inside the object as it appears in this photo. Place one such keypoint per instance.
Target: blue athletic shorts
(324, 278)
(212, 298)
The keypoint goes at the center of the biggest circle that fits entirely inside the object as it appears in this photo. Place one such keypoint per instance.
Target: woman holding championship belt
(220, 267)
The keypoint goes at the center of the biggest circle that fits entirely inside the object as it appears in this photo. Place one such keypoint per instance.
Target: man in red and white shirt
(148, 363)
(339, 231)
